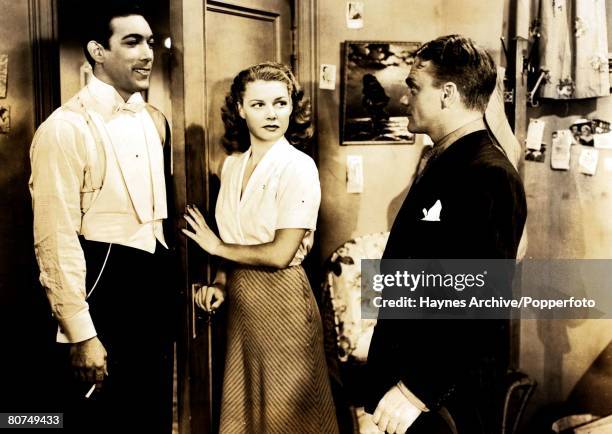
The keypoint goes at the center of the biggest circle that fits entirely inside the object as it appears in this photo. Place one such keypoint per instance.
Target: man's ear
(450, 94)
(96, 51)
(241, 111)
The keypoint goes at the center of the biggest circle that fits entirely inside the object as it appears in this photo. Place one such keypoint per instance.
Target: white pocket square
(433, 215)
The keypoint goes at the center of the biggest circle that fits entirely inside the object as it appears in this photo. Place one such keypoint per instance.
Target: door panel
(236, 38)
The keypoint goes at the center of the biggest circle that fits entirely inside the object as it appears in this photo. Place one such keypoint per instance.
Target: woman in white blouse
(275, 377)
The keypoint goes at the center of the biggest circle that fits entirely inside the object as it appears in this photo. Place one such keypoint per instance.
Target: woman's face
(266, 108)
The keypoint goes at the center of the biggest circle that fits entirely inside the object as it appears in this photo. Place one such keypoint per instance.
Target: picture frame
(374, 92)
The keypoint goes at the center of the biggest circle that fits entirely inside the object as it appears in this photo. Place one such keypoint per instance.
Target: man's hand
(395, 413)
(88, 359)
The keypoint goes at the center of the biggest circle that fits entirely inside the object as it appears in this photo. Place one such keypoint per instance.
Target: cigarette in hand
(90, 391)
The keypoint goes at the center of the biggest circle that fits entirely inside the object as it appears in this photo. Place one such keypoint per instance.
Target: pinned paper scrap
(588, 161)
(3, 74)
(539, 156)
(603, 141)
(5, 119)
(561, 149)
(354, 15)
(354, 174)
(327, 77)
(535, 133)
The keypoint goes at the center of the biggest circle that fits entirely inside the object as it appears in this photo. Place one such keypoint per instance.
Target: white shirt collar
(281, 144)
(108, 98)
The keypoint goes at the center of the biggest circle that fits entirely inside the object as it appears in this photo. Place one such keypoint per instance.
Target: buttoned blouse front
(283, 192)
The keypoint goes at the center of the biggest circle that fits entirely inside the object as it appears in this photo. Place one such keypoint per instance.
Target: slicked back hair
(97, 27)
(458, 59)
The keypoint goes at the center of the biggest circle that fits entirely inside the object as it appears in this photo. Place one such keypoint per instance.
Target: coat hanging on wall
(574, 49)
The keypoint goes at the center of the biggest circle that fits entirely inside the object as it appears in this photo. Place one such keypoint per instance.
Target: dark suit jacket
(483, 214)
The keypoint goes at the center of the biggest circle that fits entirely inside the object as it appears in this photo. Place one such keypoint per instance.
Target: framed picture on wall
(374, 92)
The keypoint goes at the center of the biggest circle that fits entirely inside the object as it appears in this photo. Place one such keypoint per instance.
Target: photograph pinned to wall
(600, 126)
(354, 15)
(582, 131)
(536, 155)
(3, 74)
(5, 119)
(374, 92)
(327, 77)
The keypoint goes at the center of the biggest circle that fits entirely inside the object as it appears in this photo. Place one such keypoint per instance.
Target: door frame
(44, 36)
(191, 166)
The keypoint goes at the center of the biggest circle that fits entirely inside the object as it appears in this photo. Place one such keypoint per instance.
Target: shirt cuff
(77, 328)
(411, 397)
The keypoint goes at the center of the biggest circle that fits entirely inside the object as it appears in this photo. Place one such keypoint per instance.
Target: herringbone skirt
(275, 379)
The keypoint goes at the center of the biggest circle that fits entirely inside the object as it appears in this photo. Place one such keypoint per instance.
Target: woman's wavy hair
(236, 137)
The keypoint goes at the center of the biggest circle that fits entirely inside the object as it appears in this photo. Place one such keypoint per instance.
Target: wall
(569, 218)
(481, 21)
(387, 168)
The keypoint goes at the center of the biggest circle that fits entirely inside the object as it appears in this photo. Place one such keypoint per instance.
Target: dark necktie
(428, 156)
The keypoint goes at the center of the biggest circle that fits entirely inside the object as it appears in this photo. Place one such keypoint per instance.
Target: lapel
(156, 165)
(266, 167)
(134, 178)
(133, 175)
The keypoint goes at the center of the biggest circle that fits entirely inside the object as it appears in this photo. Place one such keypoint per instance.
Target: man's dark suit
(483, 214)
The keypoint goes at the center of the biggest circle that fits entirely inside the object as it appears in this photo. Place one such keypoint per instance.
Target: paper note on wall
(561, 149)
(327, 77)
(535, 133)
(354, 174)
(3, 74)
(5, 119)
(588, 161)
(354, 15)
(603, 141)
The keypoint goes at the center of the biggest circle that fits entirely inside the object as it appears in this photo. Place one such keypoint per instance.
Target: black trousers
(132, 308)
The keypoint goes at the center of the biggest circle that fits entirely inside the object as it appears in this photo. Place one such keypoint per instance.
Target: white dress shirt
(128, 209)
(283, 192)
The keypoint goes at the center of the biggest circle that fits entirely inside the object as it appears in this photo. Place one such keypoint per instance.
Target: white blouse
(283, 192)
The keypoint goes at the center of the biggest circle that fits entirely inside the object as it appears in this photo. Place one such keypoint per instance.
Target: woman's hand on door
(201, 234)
